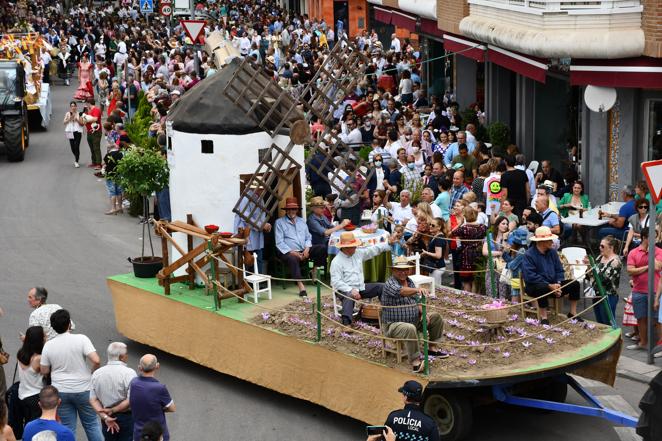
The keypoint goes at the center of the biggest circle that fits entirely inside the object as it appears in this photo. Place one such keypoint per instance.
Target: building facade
(528, 62)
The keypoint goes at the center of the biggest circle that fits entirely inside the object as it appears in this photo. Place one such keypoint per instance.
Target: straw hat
(348, 240)
(542, 234)
(401, 262)
(317, 201)
(291, 203)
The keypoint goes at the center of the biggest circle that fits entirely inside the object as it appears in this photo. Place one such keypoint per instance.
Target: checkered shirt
(391, 297)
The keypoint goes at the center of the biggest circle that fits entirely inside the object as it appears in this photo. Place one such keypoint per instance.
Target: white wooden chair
(575, 256)
(256, 279)
(418, 279)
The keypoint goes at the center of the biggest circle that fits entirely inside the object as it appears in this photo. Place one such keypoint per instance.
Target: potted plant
(142, 171)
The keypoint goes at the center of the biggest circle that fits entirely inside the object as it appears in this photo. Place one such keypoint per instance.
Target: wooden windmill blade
(336, 78)
(275, 174)
(339, 165)
(260, 97)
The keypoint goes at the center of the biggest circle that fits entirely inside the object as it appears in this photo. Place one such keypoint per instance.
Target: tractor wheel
(15, 139)
(452, 412)
(649, 426)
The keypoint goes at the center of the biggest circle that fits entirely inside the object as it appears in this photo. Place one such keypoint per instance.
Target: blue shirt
(256, 237)
(538, 268)
(39, 425)
(317, 225)
(292, 235)
(454, 150)
(626, 211)
(148, 397)
(550, 218)
(456, 194)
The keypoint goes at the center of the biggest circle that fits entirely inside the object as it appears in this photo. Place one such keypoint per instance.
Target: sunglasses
(645, 207)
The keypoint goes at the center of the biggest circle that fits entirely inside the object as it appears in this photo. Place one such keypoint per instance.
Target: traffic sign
(165, 9)
(146, 6)
(653, 174)
(193, 28)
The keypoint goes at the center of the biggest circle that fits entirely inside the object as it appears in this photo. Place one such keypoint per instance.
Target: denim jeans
(125, 421)
(78, 404)
(600, 314)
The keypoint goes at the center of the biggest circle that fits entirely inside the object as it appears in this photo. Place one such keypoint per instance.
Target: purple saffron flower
(506, 354)
(565, 333)
(590, 325)
(265, 316)
(550, 341)
(471, 361)
(526, 343)
(540, 337)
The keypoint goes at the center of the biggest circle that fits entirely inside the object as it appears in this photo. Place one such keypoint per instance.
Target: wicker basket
(496, 315)
(370, 312)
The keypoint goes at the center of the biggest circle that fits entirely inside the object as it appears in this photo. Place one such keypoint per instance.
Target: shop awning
(641, 73)
(525, 65)
(403, 21)
(464, 47)
(382, 15)
(430, 27)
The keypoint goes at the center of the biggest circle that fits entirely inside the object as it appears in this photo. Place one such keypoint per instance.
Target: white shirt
(436, 211)
(42, 317)
(110, 383)
(66, 356)
(31, 382)
(353, 138)
(347, 271)
(395, 45)
(401, 213)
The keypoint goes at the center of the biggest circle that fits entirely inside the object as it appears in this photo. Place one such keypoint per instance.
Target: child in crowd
(398, 242)
(517, 240)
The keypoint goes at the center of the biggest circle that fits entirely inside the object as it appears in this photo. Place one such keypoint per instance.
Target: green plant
(364, 153)
(469, 117)
(142, 171)
(499, 134)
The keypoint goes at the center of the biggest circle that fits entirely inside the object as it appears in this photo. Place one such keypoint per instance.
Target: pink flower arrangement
(496, 304)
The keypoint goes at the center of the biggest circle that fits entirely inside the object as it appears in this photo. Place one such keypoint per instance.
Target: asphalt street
(53, 233)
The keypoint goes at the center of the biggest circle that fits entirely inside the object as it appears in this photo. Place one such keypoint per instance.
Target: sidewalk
(637, 370)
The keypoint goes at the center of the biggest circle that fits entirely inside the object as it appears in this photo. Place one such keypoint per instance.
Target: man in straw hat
(294, 243)
(319, 225)
(544, 275)
(403, 320)
(347, 272)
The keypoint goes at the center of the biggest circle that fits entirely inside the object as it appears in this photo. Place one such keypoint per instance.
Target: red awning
(430, 27)
(382, 15)
(403, 21)
(640, 73)
(525, 65)
(464, 47)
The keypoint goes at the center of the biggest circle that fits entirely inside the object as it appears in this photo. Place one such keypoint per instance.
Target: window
(654, 129)
(207, 146)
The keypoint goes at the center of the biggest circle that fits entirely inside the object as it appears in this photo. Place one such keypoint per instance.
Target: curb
(633, 376)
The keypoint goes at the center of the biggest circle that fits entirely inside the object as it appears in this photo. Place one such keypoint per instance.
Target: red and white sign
(653, 173)
(165, 9)
(193, 28)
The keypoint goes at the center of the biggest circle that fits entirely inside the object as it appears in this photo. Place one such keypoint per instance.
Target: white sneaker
(657, 355)
(76, 165)
(634, 347)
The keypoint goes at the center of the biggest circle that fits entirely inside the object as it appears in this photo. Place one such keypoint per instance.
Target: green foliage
(142, 171)
(469, 117)
(138, 128)
(364, 153)
(136, 204)
(499, 134)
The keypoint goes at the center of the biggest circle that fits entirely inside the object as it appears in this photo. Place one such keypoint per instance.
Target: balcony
(558, 28)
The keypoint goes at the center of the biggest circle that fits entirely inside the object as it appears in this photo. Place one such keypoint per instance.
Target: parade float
(23, 95)
(298, 347)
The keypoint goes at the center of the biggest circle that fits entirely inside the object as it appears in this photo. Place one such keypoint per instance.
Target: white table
(589, 220)
(612, 207)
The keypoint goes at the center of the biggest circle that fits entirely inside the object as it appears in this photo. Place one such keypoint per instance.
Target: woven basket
(496, 315)
(370, 312)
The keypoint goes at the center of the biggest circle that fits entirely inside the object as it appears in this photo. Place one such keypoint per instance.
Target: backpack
(560, 223)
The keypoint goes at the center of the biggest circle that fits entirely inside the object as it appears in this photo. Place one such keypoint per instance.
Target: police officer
(411, 423)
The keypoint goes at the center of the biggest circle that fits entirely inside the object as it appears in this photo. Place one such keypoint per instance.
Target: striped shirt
(110, 383)
(391, 297)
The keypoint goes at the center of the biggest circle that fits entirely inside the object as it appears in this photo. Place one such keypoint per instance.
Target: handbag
(506, 276)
